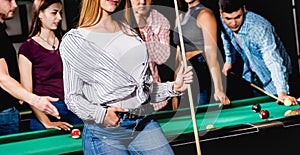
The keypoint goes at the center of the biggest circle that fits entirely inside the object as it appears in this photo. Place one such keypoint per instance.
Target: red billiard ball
(264, 114)
(256, 107)
(75, 133)
(298, 110)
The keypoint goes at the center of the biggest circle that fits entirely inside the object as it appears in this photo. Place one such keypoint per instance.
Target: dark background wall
(72, 8)
(297, 12)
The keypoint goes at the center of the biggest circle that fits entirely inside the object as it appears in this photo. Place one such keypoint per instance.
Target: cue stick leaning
(257, 88)
(195, 127)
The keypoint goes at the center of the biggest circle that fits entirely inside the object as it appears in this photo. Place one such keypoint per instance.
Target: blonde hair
(89, 14)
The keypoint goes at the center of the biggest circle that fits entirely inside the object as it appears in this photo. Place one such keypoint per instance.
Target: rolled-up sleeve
(162, 92)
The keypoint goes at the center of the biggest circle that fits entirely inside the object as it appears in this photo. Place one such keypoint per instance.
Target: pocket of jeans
(9, 116)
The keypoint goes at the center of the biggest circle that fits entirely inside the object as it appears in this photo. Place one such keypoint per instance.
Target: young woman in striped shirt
(108, 82)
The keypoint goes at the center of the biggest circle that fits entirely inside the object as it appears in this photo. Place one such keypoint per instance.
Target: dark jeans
(9, 121)
(65, 114)
(204, 79)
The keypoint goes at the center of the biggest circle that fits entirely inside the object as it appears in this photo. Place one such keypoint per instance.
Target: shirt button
(143, 64)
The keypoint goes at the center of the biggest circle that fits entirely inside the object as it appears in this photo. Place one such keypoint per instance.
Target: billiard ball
(298, 100)
(293, 113)
(264, 114)
(210, 126)
(75, 133)
(256, 107)
(288, 113)
(298, 110)
(287, 101)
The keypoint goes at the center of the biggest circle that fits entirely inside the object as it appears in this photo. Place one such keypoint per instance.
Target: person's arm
(166, 90)
(14, 88)
(206, 20)
(178, 59)
(162, 91)
(229, 51)
(25, 67)
(77, 72)
(274, 62)
(74, 96)
(229, 54)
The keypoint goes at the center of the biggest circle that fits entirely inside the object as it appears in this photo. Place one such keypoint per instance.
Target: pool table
(237, 130)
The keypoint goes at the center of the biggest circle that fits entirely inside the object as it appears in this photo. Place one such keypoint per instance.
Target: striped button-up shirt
(107, 69)
(261, 50)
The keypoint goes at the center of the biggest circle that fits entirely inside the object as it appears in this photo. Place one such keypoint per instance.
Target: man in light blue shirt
(261, 49)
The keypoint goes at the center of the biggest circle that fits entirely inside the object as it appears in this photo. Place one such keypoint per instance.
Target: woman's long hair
(36, 22)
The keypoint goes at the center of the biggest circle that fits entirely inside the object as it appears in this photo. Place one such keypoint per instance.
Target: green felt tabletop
(239, 112)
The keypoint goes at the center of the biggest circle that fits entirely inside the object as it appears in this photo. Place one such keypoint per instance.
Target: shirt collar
(150, 18)
(244, 27)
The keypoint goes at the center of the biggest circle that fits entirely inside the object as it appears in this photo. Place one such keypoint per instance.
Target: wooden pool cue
(195, 127)
(256, 87)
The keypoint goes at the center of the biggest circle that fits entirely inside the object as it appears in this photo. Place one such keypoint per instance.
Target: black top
(8, 52)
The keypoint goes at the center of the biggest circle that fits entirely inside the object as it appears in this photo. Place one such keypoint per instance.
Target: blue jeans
(65, 114)
(125, 140)
(9, 121)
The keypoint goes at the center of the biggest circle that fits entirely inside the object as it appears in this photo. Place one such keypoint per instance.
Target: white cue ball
(287, 102)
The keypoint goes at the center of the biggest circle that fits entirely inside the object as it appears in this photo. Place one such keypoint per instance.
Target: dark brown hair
(230, 6)
(36, 23)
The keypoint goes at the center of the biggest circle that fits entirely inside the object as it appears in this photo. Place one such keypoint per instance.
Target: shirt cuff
(100, 115)
(283, 89)
(170, 86)
(229, 60)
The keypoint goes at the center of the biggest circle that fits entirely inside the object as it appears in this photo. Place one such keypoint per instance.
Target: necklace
(53, 45)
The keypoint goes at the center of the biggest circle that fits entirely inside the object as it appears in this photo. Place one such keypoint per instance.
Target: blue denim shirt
(262, 52)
